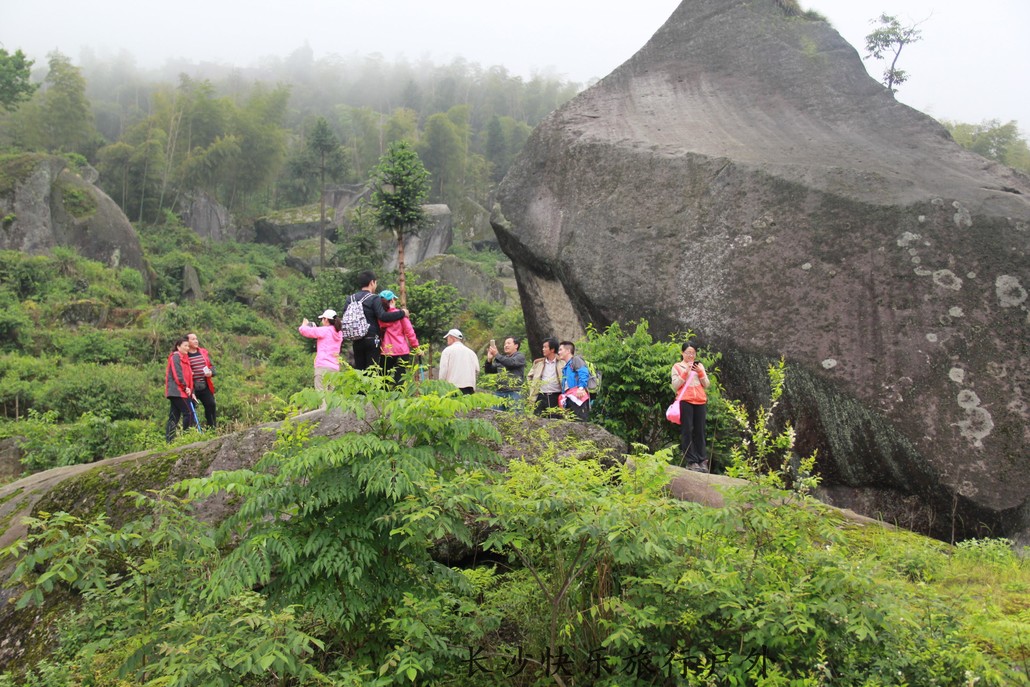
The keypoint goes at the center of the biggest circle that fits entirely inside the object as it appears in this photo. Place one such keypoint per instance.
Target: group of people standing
(556, 380)
(387, 343)
(189, 378)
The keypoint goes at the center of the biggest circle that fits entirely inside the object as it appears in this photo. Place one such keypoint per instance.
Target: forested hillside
(239, 135)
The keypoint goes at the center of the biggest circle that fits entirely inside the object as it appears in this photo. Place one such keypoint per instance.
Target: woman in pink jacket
(398, 340)
(327, 350)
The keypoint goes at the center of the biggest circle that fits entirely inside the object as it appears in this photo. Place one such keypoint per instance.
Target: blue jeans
(511, 400)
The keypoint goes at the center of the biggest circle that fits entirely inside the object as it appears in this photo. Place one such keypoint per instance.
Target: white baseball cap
(455, 333)
(328, 314)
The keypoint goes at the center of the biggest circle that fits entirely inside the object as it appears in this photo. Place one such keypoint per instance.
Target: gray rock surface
(286, 232)
(431, 241)
(44, 205)
(469, 278)
(305, 256)
(742, 176)
(210, 219)
(191, 290)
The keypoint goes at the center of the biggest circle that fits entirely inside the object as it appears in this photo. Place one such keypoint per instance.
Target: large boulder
(286, 227)
(431, 241)
(743, 177)
(469, 278)
(44, 205)
(210, 219)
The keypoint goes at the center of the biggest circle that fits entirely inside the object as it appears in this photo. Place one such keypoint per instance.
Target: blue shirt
(571, 377)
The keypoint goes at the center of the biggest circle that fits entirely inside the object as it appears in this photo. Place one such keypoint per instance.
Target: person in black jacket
(366, 349)
(510, 368)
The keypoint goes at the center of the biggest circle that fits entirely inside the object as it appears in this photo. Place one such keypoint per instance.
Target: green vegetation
(273, 143)
(400, 186)
(15, 84)
(637, 388)
(890, 38)
(83, 347)
(993, 140)
(573, 572)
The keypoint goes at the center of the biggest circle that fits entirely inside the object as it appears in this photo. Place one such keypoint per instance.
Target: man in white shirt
(545, 377)
(458, 363)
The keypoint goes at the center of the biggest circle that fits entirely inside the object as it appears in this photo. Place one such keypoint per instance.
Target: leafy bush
(375, 490)
(117, 391)
(15, 325)
(22, 379)
(767, 456)
(328, 290)
(596, 575)
(144, 618)
(89, 345)
(46, 444)
(636, 391)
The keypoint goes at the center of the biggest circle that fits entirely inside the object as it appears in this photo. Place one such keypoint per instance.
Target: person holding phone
(510, 368)
(327, 349)
(693, 407)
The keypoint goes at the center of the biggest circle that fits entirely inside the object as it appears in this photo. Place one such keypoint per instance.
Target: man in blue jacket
(574, 377)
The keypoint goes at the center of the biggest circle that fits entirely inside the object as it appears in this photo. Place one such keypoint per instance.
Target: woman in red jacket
(179, 388)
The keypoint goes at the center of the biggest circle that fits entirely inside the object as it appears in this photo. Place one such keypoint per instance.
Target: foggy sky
(971, 65)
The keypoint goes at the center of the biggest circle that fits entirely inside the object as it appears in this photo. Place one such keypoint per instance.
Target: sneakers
(698, 467)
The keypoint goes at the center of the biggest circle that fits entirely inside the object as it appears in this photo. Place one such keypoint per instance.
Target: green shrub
(28, 276)
(46, 444)
(635, 391)
(15, 325)
(328, 290)
(22, 381)
(144, 617)
(117, 391)
(89, 345)
(131, 281)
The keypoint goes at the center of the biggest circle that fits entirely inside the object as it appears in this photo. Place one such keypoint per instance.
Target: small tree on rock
(400, 184)
(889, 38)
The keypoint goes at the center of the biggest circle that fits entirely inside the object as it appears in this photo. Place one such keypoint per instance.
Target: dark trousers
(180, 408)
(396, 365)
(366, 353)
(546, 403)
(692, 432)
(580, 412)
(207, 399)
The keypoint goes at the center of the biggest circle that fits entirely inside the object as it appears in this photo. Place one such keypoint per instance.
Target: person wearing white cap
(327, 350)
(459, 364)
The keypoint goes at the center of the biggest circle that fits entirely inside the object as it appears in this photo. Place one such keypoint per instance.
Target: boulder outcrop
(210, 219)
(471, 281)
(742, 176)
(44, 205)
(431, 241)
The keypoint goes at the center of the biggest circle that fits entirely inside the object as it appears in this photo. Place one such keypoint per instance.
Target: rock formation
(471, 281)
(43, 205)
(433, 240)
(742, 176)
(209, 218)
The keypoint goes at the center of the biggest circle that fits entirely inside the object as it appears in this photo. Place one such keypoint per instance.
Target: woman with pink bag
(690, 380)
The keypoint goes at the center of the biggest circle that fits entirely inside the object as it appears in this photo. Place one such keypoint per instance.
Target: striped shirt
(197, 365)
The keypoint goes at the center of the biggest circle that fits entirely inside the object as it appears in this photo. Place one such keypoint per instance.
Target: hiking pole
(196, 420)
